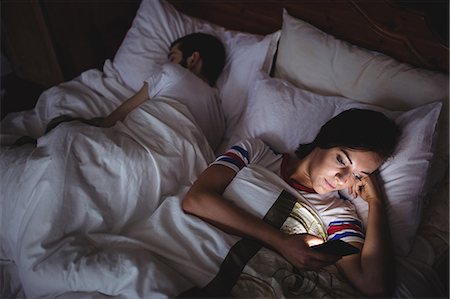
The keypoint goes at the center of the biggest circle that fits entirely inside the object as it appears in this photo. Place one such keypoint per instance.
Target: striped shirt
(338, 215)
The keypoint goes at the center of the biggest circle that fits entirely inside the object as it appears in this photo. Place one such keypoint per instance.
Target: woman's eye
(357, 177)
(340, 160)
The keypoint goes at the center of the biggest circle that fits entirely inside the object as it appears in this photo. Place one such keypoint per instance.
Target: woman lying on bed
(345, 154)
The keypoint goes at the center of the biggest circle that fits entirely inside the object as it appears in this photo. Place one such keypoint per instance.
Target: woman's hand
(367, 188)
(373, 270)
(296, 249)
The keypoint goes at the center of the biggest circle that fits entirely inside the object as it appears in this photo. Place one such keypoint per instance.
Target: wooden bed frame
(376, 25)
(48, 42)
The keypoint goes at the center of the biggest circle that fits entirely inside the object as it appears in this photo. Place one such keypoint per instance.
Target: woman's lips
(330, 186)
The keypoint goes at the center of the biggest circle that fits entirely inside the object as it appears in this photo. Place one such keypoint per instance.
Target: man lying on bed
(345, 154)
(196, 61)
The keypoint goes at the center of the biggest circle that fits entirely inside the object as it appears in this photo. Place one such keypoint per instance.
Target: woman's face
(339, 168)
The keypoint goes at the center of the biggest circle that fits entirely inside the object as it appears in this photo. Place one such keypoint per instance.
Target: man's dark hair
(211, 49)
(359, 129)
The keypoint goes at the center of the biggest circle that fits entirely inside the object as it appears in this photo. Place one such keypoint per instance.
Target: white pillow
(157, 24)
(317, 61)
(285, 116)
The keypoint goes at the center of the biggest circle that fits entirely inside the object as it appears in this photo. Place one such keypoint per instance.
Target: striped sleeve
(236, 158)
(350, 230)
(245, 152)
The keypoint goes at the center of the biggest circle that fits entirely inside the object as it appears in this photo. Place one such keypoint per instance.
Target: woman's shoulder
(254, 147)
(251, 142)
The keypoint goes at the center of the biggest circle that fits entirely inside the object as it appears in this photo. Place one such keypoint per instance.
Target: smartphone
(336, 247)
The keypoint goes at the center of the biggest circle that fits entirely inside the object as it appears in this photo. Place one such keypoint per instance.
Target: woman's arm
(372, 270)
(126, 107)
(205, 200)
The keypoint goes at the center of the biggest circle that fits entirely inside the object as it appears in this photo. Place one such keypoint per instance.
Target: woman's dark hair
(359, 129)
(211, 50)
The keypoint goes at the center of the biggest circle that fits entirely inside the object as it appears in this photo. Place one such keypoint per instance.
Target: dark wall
(46, 42)
(436, 12)
(60, 39)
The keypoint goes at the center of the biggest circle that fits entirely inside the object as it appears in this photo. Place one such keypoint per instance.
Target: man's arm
(205, 200)
(126, 107)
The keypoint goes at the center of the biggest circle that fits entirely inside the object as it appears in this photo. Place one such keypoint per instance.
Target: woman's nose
(342, 176)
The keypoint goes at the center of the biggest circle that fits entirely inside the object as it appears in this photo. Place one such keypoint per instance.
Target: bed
(91, 212)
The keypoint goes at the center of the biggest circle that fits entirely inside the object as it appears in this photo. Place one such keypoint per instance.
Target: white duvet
(70, 204)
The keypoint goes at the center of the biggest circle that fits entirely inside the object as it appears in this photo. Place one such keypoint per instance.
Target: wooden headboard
(48, 42)
(385, 26)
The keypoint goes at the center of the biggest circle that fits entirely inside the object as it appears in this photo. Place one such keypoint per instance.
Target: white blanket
(92, 94)
(70, 204)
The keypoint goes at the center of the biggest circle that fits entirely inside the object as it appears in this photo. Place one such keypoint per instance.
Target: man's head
(202, 53)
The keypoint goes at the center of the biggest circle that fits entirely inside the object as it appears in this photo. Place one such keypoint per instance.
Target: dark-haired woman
(345, 154)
